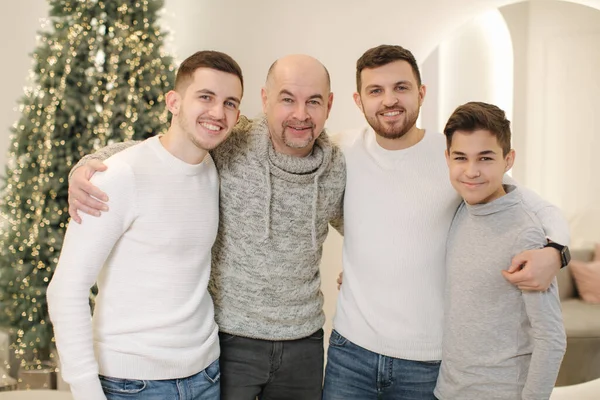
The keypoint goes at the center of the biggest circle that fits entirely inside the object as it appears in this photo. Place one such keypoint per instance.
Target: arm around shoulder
(553, 221)
(103, 153)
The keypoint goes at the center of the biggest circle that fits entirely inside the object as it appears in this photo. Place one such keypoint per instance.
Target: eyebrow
(234, 99)
(481, 153)
(314, 96)
(403, 82)
(207, 91)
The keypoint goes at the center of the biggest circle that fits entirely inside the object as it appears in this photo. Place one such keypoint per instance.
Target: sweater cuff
(87, 388)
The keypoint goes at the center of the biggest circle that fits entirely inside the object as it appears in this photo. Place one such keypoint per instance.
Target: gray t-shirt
(499, 342)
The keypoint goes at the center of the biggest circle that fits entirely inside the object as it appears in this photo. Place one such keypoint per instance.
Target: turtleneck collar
(292, 169)
(512, 197)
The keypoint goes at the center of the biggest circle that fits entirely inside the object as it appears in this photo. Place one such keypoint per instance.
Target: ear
(263, 95)
(173, 100)
(358, 101)
(509, 160)
(329, 103)
(422, 93)
(447, 157)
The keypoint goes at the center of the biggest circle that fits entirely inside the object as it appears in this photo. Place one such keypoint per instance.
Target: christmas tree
(100, 74)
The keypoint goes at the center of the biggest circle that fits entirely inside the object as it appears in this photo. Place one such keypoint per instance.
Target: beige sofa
(584, 391)
(36, 395)
(582, 324)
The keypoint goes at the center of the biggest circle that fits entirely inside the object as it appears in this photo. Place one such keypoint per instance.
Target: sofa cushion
(566, 286)
(587, 280)
(581, 319)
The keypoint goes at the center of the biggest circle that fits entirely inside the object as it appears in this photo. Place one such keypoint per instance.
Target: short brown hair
(475, 115)
(207, 59)
(383, 55)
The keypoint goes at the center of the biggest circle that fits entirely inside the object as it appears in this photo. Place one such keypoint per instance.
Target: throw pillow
(587, 279)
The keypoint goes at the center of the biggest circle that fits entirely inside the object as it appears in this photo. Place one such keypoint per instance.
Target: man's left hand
(534, 269)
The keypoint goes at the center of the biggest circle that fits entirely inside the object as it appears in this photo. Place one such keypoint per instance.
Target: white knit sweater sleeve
(86, 247)
(553, 221)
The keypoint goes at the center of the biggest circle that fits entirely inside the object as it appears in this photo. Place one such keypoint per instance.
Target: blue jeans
(202, 386)
(354, 373)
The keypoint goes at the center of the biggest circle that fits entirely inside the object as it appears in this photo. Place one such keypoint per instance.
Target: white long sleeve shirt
(398, 208)
(150, 255)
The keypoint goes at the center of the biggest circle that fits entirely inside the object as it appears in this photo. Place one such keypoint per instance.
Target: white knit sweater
(150, 256)
(398, 208)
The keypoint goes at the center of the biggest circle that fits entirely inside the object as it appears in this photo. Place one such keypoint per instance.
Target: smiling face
(206, 110)
(477, 165)
(296, 101)
(390, 98)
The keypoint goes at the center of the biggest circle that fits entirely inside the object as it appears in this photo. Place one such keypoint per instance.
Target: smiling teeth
(210, 126)
(391, 113)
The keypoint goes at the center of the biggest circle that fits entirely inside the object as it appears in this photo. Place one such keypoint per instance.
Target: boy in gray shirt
(499, 342)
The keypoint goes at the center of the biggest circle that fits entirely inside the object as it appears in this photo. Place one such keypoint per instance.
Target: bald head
(298, 65)
(296, 100)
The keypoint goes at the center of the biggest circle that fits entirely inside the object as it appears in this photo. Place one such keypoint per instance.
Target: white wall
(476, 64)
(564, 82)
(557, 81)
(473, 63)
(429, 118)
(517, 20)
(19, 21)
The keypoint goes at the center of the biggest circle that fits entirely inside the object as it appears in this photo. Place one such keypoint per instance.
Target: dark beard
(396, 133)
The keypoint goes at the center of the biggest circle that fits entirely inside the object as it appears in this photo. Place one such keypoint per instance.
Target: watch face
(565, 255)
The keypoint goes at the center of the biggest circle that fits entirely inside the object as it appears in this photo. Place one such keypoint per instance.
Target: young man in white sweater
(153, 333)
(398, 207)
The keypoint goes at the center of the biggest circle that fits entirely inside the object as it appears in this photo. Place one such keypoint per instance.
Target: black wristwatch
(565, 254)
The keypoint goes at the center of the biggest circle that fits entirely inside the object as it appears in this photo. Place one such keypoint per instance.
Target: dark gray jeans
(268, 370)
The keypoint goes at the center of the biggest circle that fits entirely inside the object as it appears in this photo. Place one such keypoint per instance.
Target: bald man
(282, 182)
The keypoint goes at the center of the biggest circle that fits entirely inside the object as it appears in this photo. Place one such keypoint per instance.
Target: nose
(217, 111)
(300, 112)
(472, 170)
(389, 99)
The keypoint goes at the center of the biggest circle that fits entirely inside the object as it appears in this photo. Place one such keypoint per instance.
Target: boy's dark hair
(207, 59)
(475, 115)
(383, 55)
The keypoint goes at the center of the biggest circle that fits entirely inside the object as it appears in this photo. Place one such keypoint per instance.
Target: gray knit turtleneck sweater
(274, 215)
(274, 219)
